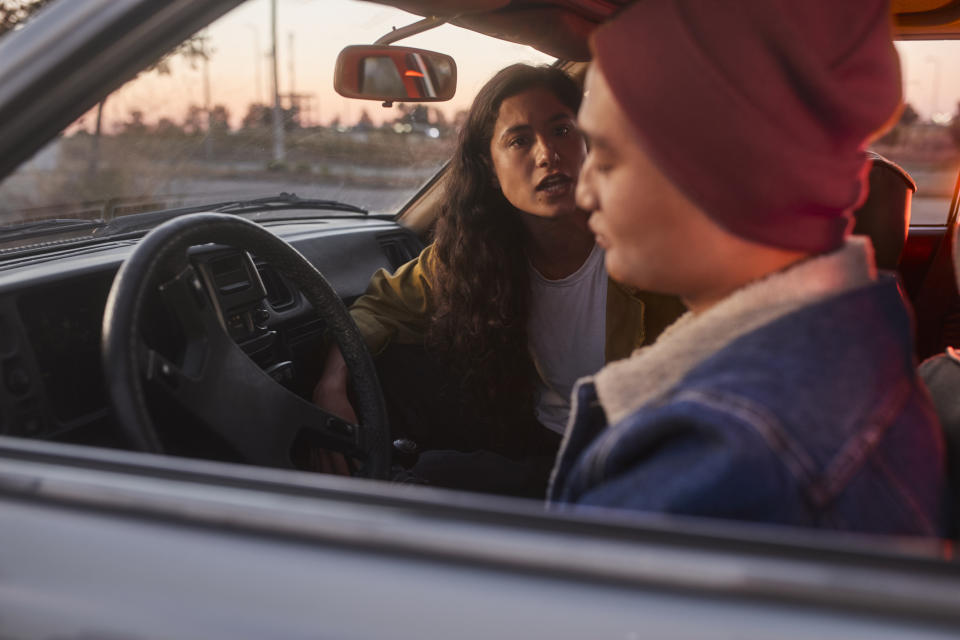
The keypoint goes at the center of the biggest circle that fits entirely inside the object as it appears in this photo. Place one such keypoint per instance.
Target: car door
(104, 542)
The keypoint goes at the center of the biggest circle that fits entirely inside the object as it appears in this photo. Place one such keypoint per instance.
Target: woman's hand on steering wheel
(330, 394)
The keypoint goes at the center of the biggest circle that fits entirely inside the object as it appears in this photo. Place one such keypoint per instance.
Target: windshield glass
(196, 127)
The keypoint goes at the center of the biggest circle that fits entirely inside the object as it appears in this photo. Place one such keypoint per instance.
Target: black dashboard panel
(62, 324)
(51, 311)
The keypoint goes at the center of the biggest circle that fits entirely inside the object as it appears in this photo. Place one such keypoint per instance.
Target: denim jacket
(806, 410)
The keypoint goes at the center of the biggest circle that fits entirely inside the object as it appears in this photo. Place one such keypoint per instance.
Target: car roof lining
(926, 19)
(570, 23)
(925, 13)
(561, 27)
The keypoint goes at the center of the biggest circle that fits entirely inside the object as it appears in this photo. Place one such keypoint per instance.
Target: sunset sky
(318, 29)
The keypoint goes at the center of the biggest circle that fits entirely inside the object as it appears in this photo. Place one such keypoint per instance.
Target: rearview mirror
(395, 74)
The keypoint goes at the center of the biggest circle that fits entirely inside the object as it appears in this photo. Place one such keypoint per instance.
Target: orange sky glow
(312, 32)
(317, 30)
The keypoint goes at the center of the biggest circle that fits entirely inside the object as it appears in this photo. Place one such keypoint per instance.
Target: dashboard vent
(399, 247)
(280, 295)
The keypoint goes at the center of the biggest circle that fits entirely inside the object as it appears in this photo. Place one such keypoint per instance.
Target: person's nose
(585, 195)
(547, 154)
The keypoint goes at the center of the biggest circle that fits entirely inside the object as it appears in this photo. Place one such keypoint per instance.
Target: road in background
(929, 211)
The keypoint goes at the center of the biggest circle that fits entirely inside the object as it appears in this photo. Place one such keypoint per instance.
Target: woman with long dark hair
(481, 338)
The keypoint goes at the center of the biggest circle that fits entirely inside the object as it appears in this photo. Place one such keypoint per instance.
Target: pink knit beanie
(758, 110)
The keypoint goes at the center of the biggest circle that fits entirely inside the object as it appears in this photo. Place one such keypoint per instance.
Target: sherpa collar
(626, 385)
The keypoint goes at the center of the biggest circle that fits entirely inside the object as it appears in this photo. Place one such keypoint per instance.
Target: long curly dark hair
(481, 274)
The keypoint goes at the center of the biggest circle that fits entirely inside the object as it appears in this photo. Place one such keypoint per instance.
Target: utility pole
(208, 139)
(279, 151)
(294, 102)
(293, 88)
(257, 63)
(934, 100)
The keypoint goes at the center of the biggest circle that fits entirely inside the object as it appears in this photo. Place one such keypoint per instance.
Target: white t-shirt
(567, 334)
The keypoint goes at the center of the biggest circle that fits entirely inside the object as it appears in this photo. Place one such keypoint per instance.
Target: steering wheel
(213, 379)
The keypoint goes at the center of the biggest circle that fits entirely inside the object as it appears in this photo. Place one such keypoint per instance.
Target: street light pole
(294, 101)
(293, 88)
(208, 140)
(257, 62)
(935, 89)
(279, 150)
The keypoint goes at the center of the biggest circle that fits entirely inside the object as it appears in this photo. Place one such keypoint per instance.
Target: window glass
(926, 139)
(196, 127)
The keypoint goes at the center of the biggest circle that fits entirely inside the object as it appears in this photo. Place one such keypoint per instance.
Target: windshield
(196, 127)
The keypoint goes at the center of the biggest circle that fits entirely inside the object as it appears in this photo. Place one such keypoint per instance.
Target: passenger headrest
(885, 215)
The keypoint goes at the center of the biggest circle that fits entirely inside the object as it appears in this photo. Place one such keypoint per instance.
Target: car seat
(941, 373)
(885, 214)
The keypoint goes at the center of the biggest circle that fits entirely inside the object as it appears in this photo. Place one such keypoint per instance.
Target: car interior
(53, 295)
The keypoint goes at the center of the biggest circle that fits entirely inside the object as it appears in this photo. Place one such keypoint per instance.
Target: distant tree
(195, 122)
(261, 116)
(416, 114)
(420, 114)
(135, 124)
(365, 123)
(258, 115)
(167, 128)
(909, 115)
(219, 119)
(13, 13)
(291, 117)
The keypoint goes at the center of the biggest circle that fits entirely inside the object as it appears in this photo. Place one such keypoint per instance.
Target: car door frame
(71, 54)
(236, 543)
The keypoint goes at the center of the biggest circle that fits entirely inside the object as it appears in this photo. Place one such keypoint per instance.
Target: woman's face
(537, 151)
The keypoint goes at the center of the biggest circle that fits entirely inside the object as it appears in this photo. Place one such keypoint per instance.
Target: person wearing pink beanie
(727, 152)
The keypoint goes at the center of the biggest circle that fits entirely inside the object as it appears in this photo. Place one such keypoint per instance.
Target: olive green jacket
(397, 308)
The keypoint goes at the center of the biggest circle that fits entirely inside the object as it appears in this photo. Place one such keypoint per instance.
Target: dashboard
(51, 312)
